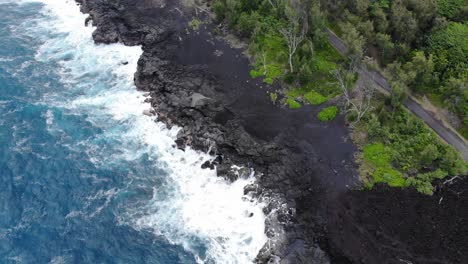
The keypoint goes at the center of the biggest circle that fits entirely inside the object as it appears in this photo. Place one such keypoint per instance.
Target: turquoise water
(84, 176)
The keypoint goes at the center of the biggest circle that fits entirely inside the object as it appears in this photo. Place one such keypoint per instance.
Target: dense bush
(404, 144)
(452, 9)
(293, 104)
(315, 98)
(328, 113)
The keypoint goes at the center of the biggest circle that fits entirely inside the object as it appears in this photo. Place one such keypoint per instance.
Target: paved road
(439, 127)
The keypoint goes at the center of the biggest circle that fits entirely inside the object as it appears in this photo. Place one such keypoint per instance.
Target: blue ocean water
(84, 176)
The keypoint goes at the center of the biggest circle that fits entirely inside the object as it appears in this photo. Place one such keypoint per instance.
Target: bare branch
(450, 181)
(358, 101)
(294, 32)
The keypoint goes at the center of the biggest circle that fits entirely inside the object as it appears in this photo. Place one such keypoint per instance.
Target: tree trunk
(290, 63)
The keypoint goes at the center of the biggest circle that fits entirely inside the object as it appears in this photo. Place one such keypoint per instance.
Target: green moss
(436, 99)
(328, 113)
(315, 98)
(293, 104)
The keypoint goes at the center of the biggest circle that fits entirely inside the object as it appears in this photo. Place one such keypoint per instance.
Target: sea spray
(192, 207)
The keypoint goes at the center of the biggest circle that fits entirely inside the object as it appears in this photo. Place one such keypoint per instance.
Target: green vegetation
(315, 98)
(328, 113)
(293, 104)
(273, 97)
(286, 42)
(195, 24)
(402, 151)
(422, 45)
(379, 158)
(452, 9)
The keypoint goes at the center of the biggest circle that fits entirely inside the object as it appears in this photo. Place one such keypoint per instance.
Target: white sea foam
(199, 206)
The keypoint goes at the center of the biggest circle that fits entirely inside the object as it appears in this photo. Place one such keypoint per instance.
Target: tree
(361, 7)
(366, 29)
(420, 71)
(293, 32)
(380, 18)
(403, 22)
(359, 100)
(247, 23)
(456, 93)
(386, 47)
(353, 40)
(429, 154)
(450, 50)
(398, 94)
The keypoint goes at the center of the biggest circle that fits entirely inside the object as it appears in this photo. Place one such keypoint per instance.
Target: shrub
(422, 182)
(255, 74)
(328, 113)
(195, 24)
(293, 104)
(268, 80)
(247, 23)
(315, 98)
(219, 9)
(377, 155)
(390, 176)
(273, 97)
(450, 8)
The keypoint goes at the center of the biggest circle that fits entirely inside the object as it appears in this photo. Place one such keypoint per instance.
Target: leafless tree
(358, 100)
(294, 31)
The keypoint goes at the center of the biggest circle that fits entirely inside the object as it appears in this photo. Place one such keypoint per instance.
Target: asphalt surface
(447, 134)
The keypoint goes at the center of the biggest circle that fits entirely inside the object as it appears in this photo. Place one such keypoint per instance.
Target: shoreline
(305, 164)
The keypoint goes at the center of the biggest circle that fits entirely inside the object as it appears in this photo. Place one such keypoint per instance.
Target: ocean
(85, 177)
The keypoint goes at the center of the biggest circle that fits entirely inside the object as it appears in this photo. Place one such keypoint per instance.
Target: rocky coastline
(305, 169)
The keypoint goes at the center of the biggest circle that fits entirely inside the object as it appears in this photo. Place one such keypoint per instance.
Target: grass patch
(269, 52)
(436, 99)
(379, 158)
(315, 98)
(327, 59)
(377, 155)
(293, 104)
(389, 176)
(328, 113)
